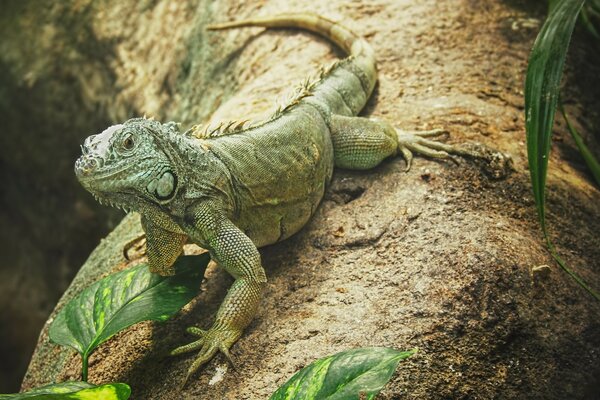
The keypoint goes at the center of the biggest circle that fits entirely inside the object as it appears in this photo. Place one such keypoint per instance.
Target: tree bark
(441, 258)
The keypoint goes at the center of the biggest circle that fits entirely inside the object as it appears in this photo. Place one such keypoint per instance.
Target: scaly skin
(236, 189)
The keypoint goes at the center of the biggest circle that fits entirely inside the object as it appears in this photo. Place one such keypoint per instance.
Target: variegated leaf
(73, 391)
(353, 374)
(124, 299)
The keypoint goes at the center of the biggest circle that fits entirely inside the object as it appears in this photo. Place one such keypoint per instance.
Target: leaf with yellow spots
(73, 391)
(352, 374)
(123, 299)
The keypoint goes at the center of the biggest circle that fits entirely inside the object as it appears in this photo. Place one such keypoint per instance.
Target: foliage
(591, 162)
(542, 87)
(590, 16)
(353, 374)
(124, 299)
(73, 391)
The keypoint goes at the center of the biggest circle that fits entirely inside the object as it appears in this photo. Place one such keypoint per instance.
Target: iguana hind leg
(362, 143)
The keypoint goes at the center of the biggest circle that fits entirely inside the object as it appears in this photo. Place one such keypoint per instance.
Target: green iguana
(239, 188)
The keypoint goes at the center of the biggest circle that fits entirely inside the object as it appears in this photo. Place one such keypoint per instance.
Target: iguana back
(280, 167)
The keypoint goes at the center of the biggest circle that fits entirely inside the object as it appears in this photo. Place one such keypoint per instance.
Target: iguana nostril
(86, 165)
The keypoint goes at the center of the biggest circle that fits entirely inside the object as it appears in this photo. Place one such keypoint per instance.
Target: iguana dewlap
(240, 188)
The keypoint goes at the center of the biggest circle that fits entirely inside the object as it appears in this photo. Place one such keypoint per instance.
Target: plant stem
(84, 367)
(568, 270)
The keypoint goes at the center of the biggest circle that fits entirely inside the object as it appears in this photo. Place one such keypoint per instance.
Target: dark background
(48, 224)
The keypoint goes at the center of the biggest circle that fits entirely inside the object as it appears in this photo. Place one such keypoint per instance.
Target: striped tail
(363, 64)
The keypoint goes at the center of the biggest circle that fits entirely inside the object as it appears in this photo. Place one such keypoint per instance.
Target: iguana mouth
(87, 164)
(85, 168)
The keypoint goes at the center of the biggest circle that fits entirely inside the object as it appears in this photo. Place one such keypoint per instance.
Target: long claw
(207, 352)
(186, 378)
(227, 355)
(453, 159)
(408, 157)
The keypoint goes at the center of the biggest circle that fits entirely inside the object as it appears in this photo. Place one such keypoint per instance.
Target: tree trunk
(442, 258)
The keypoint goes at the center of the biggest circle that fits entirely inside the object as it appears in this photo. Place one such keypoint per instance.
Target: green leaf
(587, 22)
(552, 4)
(542, 85)
(353, 374)
(587, 155)
(124, 299)
(55, 388)
(74, 391)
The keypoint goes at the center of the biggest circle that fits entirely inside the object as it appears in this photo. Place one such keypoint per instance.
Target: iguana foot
(136, 242)
(418, 142)
(495, 163)
(217, 338)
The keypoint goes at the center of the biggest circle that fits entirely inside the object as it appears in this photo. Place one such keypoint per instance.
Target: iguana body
(240, 189)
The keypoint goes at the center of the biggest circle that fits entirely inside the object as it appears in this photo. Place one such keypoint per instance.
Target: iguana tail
(361, 62)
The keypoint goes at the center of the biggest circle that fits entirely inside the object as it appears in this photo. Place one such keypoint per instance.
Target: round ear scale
(166, 186)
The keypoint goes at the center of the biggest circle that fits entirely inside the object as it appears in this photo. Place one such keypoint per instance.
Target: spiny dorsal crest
(305, 88)
(221, 129)
(324, 71)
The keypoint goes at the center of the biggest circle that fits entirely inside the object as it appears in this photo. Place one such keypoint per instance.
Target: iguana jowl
(241, 188)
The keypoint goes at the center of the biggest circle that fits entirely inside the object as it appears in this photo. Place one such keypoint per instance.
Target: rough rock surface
(441, 258)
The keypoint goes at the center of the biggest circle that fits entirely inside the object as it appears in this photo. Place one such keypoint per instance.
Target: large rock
(441, 258)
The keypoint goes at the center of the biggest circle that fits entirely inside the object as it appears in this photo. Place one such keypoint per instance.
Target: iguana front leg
(234, 251)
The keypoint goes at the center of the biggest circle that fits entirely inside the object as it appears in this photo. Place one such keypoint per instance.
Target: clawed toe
(408, 156)
(431, 133)
(188, 347)
(496, 164)
(210, 342)
(196, 331)
(227, 354)
(208, 351)
(409, 142)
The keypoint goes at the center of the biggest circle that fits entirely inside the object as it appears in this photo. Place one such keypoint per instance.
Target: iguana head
(130, 164)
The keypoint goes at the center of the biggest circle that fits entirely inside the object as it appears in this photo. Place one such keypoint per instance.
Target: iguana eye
(128, 142)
